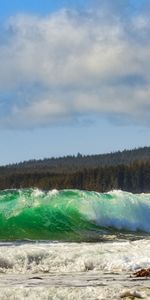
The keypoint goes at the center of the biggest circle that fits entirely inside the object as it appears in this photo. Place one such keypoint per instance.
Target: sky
(74, 77)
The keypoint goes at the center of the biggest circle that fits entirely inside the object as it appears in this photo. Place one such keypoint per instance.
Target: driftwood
(142, 273)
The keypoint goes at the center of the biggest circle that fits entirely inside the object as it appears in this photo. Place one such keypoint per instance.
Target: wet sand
(88, 285)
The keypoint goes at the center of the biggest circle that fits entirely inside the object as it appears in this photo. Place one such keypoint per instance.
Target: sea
(73, 244)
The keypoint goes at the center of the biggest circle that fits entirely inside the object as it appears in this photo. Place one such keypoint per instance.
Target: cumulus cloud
(70, 64)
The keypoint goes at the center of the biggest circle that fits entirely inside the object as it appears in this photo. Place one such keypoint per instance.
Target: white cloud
(69, 64)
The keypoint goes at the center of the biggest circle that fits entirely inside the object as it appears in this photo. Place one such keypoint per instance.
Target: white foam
(53, 192)
(75, 261)
(36, 192)
(73, 257)
(122, 210)
(57, 293)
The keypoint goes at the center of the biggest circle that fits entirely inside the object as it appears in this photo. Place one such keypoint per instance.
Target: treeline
(134, 177)
(71, 164)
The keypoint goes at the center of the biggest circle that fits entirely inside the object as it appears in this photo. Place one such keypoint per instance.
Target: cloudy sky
(74, 77)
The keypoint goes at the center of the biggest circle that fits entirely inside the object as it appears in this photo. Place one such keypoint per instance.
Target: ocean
(73, 244)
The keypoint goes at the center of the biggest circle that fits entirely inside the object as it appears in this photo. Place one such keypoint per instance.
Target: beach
(79, 286)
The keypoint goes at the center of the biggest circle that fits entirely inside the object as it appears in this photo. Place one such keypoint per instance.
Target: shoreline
(86, 285)
(71, 271)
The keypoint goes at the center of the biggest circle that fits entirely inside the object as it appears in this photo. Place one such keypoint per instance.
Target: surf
(71, 215)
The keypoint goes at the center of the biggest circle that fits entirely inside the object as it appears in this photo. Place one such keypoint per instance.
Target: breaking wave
(71, 215)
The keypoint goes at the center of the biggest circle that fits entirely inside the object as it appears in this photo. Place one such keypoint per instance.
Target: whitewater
(73, 244)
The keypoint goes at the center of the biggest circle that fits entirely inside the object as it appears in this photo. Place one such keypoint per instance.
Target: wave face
(71, 215)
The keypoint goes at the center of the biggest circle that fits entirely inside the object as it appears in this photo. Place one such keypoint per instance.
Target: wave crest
(71, 214)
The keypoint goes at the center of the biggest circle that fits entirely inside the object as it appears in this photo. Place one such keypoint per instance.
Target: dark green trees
(127, 170)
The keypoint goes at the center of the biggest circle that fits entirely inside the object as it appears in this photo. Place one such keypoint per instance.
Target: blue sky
(40, 7)
(74, 77)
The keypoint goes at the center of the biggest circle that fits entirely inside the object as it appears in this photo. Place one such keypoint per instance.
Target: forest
(128, 170)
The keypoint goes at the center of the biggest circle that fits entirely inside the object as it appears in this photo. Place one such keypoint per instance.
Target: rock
(36, 277)
(142, 273)
(132, 295)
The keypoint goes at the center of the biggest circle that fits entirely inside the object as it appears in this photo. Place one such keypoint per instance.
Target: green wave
(70, 214)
